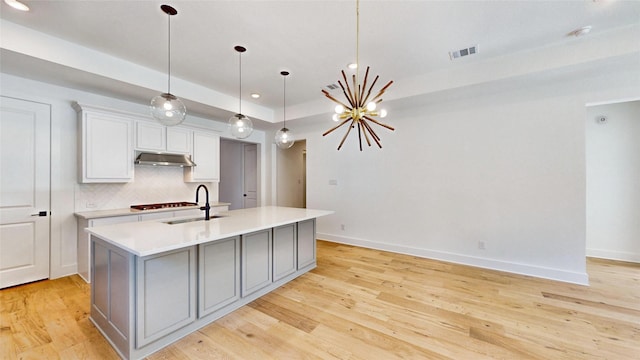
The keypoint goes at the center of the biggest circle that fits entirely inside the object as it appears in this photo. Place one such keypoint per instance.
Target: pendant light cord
(169, 57)
(240, 76)
(357, 50)
(284, 99)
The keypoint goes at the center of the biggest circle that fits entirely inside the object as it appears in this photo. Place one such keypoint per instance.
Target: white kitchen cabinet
(284, 251)
(206, 154)
(106, 145)
(165, 293)
(84, 252)
(179, 140)
(152, 136)
(257, 259)
(218, 275)
(306, 243)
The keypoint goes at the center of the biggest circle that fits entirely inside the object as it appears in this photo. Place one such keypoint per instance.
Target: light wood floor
(366, 304)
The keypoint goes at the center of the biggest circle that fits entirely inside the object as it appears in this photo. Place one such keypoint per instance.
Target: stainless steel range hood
(164, 160)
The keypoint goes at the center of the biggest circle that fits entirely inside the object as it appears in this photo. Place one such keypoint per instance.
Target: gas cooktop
(163, 205)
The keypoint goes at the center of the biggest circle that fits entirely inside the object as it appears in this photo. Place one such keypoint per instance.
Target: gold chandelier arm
(375, 136)
(344, 92)
(366, 137)
(349, 92)
(356, 90)
(371, 88)
(379, 123)
(336, 100)
(335, 127)
(382, 90)
(364, 86)
(373, 133)
(347, 134)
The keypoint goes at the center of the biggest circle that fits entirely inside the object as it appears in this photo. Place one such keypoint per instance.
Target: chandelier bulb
(371, 106)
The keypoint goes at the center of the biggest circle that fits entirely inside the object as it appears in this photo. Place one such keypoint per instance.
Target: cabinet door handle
(41, 213)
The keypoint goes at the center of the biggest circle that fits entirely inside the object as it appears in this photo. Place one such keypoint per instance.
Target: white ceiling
(401, 40)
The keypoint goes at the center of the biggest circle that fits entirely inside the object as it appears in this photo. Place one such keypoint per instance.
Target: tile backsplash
(151, 185)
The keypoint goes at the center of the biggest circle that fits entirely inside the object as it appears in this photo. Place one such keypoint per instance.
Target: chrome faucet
(206, 206)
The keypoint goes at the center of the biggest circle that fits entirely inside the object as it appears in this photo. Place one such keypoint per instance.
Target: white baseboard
(516, 268)
(614, 255)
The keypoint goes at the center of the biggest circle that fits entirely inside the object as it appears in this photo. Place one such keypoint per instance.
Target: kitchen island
(154, 282)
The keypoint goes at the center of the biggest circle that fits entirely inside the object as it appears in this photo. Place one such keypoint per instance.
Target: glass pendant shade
(284, 139)
(168, 109)
(240, 126)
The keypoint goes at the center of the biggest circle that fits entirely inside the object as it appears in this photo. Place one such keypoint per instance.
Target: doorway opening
(612, 177)
(291, 176)
(239, 169)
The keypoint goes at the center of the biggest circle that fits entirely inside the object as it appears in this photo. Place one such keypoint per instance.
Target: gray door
(250, 175)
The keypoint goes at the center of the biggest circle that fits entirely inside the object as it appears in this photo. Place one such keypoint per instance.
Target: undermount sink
(182, 221)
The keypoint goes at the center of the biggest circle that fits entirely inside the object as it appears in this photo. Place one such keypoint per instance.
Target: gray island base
(145, 297)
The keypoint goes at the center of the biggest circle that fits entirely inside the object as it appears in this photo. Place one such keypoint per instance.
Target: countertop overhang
(153, 237)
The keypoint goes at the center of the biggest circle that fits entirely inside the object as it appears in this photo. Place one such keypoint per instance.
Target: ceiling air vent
(332, 86)
(454, 54)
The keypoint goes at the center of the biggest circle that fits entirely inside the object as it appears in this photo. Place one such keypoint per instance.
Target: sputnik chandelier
(360, 109)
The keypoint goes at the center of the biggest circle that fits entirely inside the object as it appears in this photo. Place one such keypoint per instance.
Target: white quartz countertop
(153, 237)
(96, 214)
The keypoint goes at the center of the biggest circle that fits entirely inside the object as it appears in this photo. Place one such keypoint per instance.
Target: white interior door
(250, 175)
(25, 129)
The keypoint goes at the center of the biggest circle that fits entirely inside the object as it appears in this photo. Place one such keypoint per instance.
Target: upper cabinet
(109, 140)
(206, 154)
(106, 145)
(151, 136)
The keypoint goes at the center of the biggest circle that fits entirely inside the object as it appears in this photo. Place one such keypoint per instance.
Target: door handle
(41, 213)
(244, 195)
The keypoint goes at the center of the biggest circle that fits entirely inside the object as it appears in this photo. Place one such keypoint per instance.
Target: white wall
(613, 181)
(505, 168)
(66, 193)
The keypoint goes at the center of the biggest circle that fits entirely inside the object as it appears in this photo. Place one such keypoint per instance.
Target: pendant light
(240, 125)
(284, 140)
(360, 108)
(166, 107)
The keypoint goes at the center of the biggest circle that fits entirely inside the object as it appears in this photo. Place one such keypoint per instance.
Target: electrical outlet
(342, 227)
(90, 205)
(333, 182)
(481, 245)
